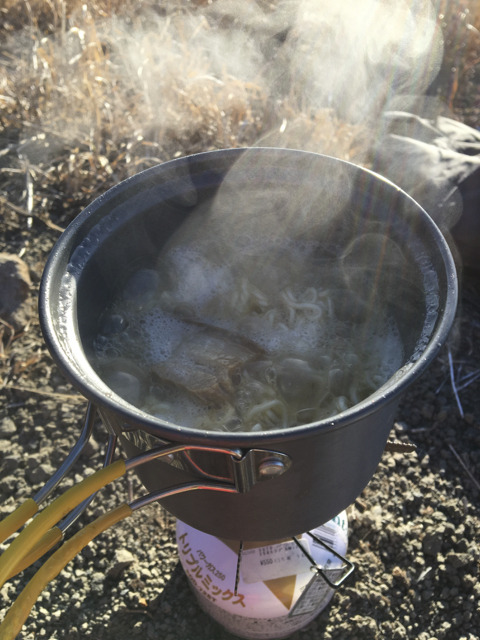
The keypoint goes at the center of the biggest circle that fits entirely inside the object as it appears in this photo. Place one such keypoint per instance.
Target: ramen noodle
(199, 344)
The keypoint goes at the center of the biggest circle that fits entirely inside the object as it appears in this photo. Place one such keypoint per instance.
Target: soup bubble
(126, 380)
(113, 324)
(141, 287)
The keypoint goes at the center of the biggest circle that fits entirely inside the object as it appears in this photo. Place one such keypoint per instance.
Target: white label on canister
(255, 628)
(271, 599)
(271, 561)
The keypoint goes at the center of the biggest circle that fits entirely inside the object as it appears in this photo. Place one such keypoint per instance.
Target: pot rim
(91, 386)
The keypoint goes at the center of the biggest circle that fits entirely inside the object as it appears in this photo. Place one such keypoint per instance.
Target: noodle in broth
(242, 358)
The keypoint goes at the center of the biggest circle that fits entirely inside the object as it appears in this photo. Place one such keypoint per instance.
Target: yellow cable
(20, 609)
(25, 541)
(46, 542)
(17, 518)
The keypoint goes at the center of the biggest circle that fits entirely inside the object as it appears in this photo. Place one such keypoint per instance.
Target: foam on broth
(304, 359)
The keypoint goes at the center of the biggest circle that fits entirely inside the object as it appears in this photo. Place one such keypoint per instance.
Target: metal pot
(277, 483)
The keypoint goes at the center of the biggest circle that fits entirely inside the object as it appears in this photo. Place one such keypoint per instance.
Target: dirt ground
(415, 530)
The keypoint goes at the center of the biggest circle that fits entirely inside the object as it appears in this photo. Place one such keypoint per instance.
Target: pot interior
(270, 218)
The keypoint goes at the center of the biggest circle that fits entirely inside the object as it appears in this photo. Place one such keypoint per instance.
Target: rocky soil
(414, 532)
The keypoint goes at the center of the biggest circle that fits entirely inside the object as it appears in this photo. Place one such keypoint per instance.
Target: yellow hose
(17, 518)
(26, 541)
(46, 542)
(20, 609)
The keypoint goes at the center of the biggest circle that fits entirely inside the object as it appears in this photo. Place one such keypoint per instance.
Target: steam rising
(127, 91)
(354, 56)
(309, 74)
(306, 55)
(278, 301)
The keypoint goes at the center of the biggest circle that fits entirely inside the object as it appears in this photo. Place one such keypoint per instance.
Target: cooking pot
(287, 480)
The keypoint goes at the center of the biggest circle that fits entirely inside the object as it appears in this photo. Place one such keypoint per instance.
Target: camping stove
(235, 492)
(243, 499)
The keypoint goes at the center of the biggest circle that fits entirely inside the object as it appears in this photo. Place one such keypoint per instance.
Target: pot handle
(247, 467)
(30, 506)
(242, 468)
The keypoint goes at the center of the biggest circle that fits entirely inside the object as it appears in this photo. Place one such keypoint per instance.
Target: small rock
(433, 540)
(8, 486)
(146, 573)
(97, 576)
(41, 473)
(123, 559)
(5, 445)
(15, 286)
(90, 448)
(457, 560)
(7, 427)
(10, 463)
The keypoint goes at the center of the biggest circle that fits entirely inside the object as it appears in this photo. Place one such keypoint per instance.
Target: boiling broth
(195, 343)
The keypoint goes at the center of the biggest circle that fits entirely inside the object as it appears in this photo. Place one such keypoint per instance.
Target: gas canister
(265, 590)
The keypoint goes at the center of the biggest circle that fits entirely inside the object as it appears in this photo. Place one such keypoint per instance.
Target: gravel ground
(414, 532)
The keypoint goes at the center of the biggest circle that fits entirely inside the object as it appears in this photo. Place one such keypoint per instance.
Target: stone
(457, 560)
(15, 286)
(40, 473)
(433, 540)
(7, 427)
(123, 559)
(10, 463)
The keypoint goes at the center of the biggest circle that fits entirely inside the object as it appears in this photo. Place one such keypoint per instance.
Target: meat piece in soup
(205, 364)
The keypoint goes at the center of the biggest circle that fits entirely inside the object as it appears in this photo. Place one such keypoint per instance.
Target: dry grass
(460, 87)
(92, 93)
(85, 104)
